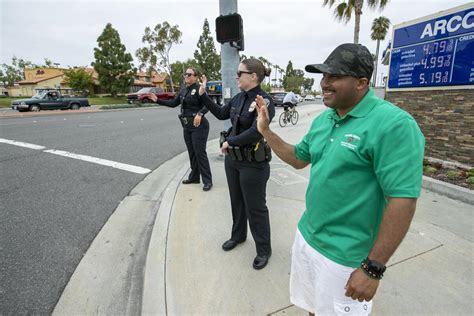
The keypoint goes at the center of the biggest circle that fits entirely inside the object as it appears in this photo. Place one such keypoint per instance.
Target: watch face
(376, 267)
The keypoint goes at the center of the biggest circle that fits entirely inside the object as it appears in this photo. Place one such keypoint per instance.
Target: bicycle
(289, 116)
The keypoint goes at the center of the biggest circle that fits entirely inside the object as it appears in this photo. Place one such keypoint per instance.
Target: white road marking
(104, 162)
(21, 144)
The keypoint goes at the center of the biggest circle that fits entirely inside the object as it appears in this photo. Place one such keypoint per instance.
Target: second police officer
(247, 167)
(195, 128)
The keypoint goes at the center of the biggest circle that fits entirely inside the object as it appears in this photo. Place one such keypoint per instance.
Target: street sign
(435, 52)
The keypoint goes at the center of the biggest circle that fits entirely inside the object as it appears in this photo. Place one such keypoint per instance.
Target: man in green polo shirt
(366, 159)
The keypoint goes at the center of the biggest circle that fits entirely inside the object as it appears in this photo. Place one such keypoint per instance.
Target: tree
(380, 27)
(266, 87)
(289, 69)
(343, 11)
(278, 69)
(48, 63)
(112, 63)
(147, 59)
(282, 73)
(9, 74)
(295, 81)
(78, 79)
(267, 64)
(288, 73)
(294, 84)
(22, 64)
(160, 40)
(208, 61)
(178, 68)
(308, 84)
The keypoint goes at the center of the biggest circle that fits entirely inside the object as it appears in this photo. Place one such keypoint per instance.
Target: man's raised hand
(263, 119)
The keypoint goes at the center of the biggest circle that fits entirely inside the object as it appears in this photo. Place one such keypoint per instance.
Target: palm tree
(379, 31)
(280, 70)
(266, 63)
(343, 11)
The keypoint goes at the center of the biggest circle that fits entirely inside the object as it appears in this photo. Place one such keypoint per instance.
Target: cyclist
(289, 101)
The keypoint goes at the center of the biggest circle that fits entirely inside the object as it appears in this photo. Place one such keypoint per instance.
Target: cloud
(301, 31)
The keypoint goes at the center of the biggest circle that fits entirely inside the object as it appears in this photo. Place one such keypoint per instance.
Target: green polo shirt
(374, 151)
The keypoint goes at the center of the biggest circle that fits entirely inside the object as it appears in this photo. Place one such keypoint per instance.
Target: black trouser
(247, 187)
(196, 140)
(287, 105)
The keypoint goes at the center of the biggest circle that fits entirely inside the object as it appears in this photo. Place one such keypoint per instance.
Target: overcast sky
(302, 31)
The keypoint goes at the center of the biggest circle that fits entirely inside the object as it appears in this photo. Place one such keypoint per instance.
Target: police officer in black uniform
(247, 175)
(195, 128)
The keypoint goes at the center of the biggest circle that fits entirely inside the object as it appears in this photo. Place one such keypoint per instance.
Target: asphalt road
(52, 206)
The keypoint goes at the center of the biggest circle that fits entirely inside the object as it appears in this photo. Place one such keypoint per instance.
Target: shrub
(452, 174)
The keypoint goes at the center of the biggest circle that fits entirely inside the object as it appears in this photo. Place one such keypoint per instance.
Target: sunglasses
(240, 72)
(187, 74)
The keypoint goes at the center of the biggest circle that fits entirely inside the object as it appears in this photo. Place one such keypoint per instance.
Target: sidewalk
(160, 251)
(187, 272)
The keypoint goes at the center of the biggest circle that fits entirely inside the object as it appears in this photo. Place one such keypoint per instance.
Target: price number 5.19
(435, 77)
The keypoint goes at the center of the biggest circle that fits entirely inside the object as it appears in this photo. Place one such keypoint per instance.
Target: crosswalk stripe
(21, 144)
(104, 162)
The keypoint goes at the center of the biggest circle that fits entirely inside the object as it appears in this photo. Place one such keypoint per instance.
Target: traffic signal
(229, 29)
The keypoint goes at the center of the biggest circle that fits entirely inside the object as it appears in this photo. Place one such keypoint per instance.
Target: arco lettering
(451, 25)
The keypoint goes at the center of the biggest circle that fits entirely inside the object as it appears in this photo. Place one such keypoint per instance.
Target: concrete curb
(110, 278)
(450, 190)
(84, 110)
(16, 114)
(154, 286)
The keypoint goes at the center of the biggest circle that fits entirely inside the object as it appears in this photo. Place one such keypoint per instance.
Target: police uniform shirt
(189, 98)
(242, 108)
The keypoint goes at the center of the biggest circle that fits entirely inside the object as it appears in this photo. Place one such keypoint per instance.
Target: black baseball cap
(347, 59)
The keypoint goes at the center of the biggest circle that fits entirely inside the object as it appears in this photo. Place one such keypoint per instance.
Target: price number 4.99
(436, 62)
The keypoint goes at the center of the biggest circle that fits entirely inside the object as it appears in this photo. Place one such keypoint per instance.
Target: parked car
(143, 95)
(214, 90)
(278, 97)
(299, 98)
(309, 97)
(49, 100)
(318, 96)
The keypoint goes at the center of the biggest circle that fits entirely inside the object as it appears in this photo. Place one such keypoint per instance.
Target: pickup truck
(143, 95)
(49, 100)
(214, 90)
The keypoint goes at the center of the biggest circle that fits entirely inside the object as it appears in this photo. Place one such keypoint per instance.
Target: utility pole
(229, 60)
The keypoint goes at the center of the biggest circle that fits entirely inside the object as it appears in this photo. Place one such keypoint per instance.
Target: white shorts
(317, 283)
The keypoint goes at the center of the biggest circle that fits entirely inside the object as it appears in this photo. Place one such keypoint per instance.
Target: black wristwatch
(372, 268)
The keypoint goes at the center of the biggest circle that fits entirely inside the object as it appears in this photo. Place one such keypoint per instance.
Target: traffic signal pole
(229, 60)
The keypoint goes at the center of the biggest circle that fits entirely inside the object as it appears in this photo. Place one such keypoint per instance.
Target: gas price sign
(436, 52)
